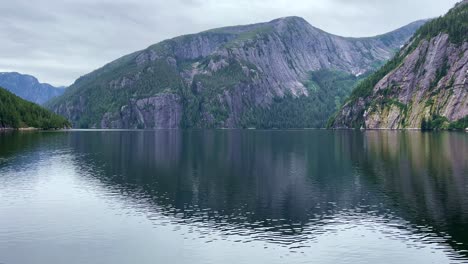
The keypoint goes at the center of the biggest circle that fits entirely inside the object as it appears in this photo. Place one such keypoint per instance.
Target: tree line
(18, 113)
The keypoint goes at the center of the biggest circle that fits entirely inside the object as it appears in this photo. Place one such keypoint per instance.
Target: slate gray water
(233, 196)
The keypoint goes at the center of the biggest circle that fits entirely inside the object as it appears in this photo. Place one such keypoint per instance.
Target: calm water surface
(233, 196)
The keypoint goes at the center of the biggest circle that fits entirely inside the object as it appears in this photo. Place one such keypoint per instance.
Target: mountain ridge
(28, 87)
(226, 77)
(424, 86)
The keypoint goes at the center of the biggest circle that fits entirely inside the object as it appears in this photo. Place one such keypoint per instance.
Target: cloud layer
(60, 40)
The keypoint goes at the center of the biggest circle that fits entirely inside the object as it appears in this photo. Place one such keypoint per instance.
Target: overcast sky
(60, 40)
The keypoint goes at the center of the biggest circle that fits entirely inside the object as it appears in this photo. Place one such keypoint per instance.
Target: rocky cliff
(28, 87)
(229, 77)
(424, 86)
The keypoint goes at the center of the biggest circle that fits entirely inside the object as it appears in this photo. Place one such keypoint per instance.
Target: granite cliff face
(424, 86)
(28, 87)
(227, 77)
(160, 111)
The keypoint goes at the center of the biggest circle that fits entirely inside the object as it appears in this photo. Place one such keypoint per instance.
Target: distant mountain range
(425, 86)
(28, 87)
(281, 74)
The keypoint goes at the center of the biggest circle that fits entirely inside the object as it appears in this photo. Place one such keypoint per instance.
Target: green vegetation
(18, 113)
(246, 36)
(365, 87)
(437, 122)
(229, 94)
(132, 82)
(327, 90)
(440, 73)
(454, 23)
(226, 77)
(433, 123)
(207, 91)
(460, 124)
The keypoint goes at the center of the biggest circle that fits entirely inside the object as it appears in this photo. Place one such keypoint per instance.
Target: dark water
(233, 197)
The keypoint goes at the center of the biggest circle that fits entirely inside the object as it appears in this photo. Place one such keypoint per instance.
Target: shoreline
(8, 129)
(22, 129)
(28, 128)
(19, 129)
(253, 129)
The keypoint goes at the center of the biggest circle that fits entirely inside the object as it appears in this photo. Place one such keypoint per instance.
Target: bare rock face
(424, 86)
(287, 49)
(431, 80)
(161, 111)
(215, 78)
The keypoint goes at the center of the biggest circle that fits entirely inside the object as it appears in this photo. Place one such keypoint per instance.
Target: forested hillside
(18, 113)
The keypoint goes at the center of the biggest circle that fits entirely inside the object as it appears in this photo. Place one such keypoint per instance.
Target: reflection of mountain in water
(289, 184)
(31, 146)
(425, 177)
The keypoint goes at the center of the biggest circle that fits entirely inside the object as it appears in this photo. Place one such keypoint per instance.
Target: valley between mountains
(280, 74)
(424, 86)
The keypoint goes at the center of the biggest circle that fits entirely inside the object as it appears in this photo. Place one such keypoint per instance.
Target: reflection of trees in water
(240, 177)
(279, 186)
(283, 186)
(284, 182)
(425, 176)
(28, 145)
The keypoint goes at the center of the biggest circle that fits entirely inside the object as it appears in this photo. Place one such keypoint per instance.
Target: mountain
(18, 113)
(28, 87)
(423, 86)
(283, 73)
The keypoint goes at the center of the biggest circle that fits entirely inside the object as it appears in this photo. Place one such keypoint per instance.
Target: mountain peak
(281, 23)
(289, 19)
(225, 77)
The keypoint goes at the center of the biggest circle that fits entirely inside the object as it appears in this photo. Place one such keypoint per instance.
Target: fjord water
(234, 196)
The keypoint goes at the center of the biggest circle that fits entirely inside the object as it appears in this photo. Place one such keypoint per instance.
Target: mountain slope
(227, 77)
(424, 86)
(28, 87)
(18, 113)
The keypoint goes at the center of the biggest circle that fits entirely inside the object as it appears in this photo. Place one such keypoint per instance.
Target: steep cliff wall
(424, 86)
(228, 77)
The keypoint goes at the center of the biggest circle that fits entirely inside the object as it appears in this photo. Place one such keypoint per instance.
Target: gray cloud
(60, 40)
